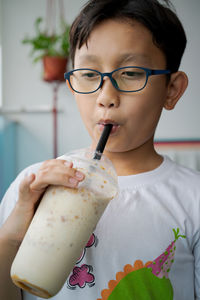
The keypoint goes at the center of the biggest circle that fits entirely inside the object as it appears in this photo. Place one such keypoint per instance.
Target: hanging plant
(52, 49)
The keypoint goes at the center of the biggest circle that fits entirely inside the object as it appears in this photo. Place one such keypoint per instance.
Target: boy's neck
(136, 161)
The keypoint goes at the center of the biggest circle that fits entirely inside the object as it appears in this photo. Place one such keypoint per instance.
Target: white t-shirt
(146, 245)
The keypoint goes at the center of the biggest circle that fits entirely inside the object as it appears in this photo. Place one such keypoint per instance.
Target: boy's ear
(176, 87)
(69, 87)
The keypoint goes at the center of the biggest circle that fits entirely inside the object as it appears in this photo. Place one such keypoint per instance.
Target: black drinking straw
(102, 141)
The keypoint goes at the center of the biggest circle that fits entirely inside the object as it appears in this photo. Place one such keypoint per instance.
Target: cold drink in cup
(62, 226)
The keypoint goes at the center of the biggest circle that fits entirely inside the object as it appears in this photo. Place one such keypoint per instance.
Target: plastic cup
(62, 226)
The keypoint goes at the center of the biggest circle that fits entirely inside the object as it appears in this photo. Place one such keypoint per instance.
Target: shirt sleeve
(11, 196)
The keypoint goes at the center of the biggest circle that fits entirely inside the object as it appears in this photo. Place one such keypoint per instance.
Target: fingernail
(73, 181)
(68, 164)
(79, 175)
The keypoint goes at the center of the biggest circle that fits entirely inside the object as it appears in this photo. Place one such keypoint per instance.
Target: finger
(68, 164)
(53, 162)
(75, 174)
(24, 186)
(66, 176)
(69, 179)
(26, 195)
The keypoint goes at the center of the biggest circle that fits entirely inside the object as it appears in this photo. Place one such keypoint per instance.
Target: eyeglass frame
(149, 72)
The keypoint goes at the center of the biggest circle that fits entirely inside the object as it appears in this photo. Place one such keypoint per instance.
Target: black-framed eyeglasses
(125, 79)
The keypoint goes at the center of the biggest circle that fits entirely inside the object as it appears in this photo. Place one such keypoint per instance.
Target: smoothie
(62, 226)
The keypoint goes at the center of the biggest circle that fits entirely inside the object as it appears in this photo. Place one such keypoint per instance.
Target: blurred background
(31, 107)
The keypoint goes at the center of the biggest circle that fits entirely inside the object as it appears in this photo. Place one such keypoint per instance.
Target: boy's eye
(90, 75)
(132, 74)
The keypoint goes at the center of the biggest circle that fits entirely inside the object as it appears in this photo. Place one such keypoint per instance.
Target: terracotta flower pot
(54, 68)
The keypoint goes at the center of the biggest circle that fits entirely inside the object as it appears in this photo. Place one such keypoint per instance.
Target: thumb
(24, 186)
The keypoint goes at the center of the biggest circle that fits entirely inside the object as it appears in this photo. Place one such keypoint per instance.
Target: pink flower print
(81, 276)
(91, 241)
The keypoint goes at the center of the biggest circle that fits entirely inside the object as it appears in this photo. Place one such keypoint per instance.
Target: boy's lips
(102, 123)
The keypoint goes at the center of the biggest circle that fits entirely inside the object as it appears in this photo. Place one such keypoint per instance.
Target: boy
(148, 238)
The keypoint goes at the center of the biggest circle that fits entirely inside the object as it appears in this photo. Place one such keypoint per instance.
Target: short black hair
(167, 31)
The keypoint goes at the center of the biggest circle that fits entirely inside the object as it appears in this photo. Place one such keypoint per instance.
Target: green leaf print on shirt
(144, 282)
(142, 285)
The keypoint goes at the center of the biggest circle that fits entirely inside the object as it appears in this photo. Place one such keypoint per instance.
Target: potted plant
(52, 49)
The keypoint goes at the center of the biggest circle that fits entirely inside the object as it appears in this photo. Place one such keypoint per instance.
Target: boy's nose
(108, 95)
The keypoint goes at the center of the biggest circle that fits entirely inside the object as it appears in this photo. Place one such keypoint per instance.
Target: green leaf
(52, 45)
(183, 236)
(176, 234)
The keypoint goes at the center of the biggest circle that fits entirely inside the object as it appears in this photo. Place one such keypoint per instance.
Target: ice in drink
(62, 226)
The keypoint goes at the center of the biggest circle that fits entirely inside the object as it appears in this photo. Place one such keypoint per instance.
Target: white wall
(0, 53)
(23, 87)
(183, 122)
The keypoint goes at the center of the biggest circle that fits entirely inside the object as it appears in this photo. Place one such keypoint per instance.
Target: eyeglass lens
(125, 79)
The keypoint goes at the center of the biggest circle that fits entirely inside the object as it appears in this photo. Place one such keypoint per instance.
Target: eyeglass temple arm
(159, 72)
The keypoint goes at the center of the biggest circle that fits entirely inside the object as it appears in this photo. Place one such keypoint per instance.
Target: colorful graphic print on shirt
(142, 282)
(83, 275)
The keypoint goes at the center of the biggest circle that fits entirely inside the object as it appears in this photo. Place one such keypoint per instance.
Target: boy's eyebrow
(123, 58)
(137, 57)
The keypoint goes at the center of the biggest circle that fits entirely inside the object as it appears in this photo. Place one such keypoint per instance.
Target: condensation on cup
(62, 226)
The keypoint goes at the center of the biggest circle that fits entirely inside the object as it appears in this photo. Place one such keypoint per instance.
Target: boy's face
(111, 45)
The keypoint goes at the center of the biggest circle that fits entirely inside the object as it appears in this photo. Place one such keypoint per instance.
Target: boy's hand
(56, 172)
(52, 172)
